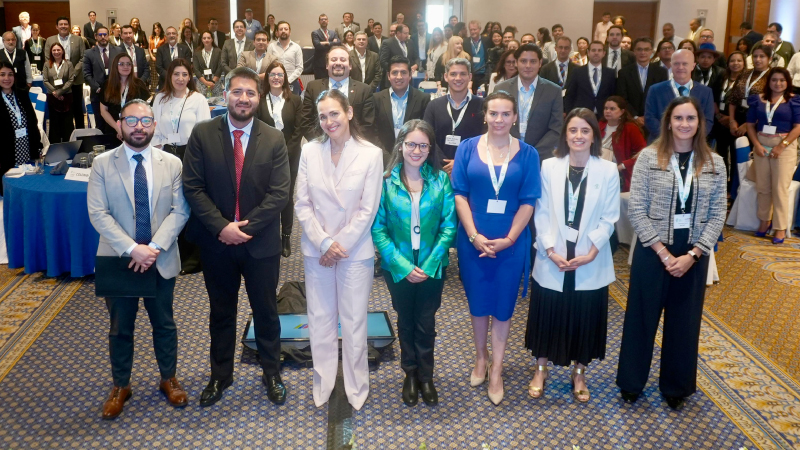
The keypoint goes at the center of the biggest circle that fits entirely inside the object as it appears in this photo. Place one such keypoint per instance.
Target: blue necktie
(683, 91)
(561, 80)
(141, 202)
(337, 85)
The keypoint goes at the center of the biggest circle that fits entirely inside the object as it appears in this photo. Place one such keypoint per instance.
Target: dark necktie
(563, 74)
(683, 91)
(238, 159)
(596, 76)
(141, 202)
(105, 59)
(614, 59)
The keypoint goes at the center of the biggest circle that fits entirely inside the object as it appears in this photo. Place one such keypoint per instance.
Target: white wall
(303, 14)
(787, 12)
(680, 12)
(530, 15)
(169, 13)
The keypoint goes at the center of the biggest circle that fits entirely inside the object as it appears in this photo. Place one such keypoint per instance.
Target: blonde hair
(450, 53)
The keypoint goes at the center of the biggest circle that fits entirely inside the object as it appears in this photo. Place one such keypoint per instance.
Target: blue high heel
(764, 234)
(777, 241)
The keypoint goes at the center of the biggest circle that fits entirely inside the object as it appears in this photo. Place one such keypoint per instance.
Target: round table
(47, 226)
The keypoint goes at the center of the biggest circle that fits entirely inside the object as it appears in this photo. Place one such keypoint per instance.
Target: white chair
(625, 232)
(83, 132)
(39, 101)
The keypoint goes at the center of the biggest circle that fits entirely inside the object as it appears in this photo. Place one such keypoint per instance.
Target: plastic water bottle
(481, 91)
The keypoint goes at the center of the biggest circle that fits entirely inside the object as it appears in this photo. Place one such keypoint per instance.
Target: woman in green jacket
(414, 228)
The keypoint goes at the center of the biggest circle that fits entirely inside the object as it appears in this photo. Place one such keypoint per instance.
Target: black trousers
(653, 289)
(60, 126)
(416, 305)
(77, 104)
(287, 215)
(726, 148)
(190, 253)
(99, 122)
(223, 274)
(122, 311)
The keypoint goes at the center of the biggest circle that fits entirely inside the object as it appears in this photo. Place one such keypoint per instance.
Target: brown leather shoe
(116, 400)
(174, 392)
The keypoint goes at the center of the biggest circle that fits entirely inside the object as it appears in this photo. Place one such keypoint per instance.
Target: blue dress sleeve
(460, 180)
(531, 188)
(754, 102)
(794, 103)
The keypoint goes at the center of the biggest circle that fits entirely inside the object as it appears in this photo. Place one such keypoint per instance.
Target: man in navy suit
(663, 93)
(421, 39)
(96, 66)
(634, 81)
(322, 39)
(592, 84)
(136, 53)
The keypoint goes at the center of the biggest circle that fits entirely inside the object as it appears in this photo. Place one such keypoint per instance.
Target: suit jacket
(112, 207)
(343, 210)
(209, 184)
(94, 70)
(414, 38)
(248, 59)
(580, 93)
(163, 59)
(714, 81)
(142, 64)
(292, 117)
(390, 48)
(626, 58)
(546, 117)
(214, 63)
(360, 98)
(550, 72)
(661, 95)
(752, 37)
(374, 73)
(76, 54)
(229, 57)
(486, 45)
(88, 32)
(384, 122)
(600, 212)
(353, 27)
(8, 157)
(18, 32)
(321, 50)
(629, 86)
(372, 44)
(221, 38)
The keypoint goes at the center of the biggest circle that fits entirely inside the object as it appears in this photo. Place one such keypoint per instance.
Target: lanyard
(574, 193)
(749, 85)
(58, 69)
(674, 87)
(771, 111)
(176, 125)
(15, 108)
(460, 116)
(683, 186)
(497, 184)
(124, 95)
(477, 47)
(706, 80)
(11, 58)
(275, 117)
(727, 88)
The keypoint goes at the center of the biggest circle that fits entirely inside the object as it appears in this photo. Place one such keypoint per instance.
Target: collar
(599, 66)
(425, 171)
(464, 102)
(287, 45)
(403, 97)
(255, 53)
(399, 41)
(614, 49)
(240, 41)
(559, 62)
(688, 84)
(533, 86)
(247, 128)
(645, 67)
(64, 39)
(25, 28)
(275, 99)
(358, 53)
(146, 153)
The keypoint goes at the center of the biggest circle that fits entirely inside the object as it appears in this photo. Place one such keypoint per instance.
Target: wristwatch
(694, 255)
(472, 238)
(785, 143)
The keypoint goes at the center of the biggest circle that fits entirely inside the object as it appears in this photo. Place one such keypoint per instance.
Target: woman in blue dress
(496, 182)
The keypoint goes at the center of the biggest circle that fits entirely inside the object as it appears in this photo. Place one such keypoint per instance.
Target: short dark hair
(602, 44)
(448, 26)
(336, 47)
(377, 24)
(452, 17)
(558, 25)
(499, 95)
(242, 72)
(527, 34)
(642, 39)
(240, 21)
(433, 160)
(212, 18)
(663, 43)
(129, 26)
(91, 12)
(101, 28)
(778, 27)
(743, 26)
(399, 60)
(612, 27)
(528, 48)
(284, 22)
(60, 18)
(135, 101)
(261, 31)
(606, 13)
(562, 149)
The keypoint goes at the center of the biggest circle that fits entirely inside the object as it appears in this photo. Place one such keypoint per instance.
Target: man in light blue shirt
(251, 25)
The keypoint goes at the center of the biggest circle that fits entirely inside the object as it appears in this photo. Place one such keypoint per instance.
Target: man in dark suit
(233, 48)
(397, 105)
(219, 36)
(170, 51)
(706, 73)
(397, 46)
(478, 49)
(747, 33)
(75, 51)
(236, 181)
(136, 53)
(323, 39)
(421, 40)
(592, 84)
(560, 70)
(96, 66)
(617, 57)
(376, 40)
(90, 28)
(366, 65)
(358, 94)
(630, 79)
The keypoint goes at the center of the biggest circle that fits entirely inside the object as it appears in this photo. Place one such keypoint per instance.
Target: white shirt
(194, 110)
(421, 47)
(131, 51)
(147, 162)
(601, 31)
(26, 33)
(362, 60)
(794, 69)
(276, 103)
(64, 43)
(610, 63)
(345, 89)
(245, 137)
(291, 57)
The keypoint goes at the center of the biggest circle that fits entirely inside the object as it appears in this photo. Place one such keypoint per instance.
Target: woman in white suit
(338, 194)
(574, 218)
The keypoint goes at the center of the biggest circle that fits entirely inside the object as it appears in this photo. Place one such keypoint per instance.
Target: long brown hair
(266, 86)
(113, 87)
(665, 144)
(624, 119)
(167, 89)
(355, 128)
(581, 113)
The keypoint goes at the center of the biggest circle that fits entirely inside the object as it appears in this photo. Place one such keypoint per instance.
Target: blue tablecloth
(47, 225)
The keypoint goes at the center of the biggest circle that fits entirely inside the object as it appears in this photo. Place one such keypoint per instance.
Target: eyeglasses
(411, 146)
(124, 64)
(101, 34)
(132, 121)
(276, 75)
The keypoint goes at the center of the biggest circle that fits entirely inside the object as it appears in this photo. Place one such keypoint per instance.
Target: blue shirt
(786, 116)
(399, 105)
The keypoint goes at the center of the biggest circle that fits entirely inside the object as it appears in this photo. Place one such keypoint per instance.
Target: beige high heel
(477, 381)
(536, 392)
(579, 394)
(496, 398)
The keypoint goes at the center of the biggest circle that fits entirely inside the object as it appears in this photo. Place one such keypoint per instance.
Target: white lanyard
(124, 95)
(771, 111)
(574, 193)
(58, 69)
(748, 85)
(15, 108)
(727, 88)
(460, 116)
(11, 58)
(176, 121)
(477, 47)
(684, 186)
(497, 184)
(525, 106)
(706, 80)
(674, 87)
(599, 78)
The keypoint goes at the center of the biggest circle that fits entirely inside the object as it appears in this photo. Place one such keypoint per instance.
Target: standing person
(366, 64)
(664, 51)
(505, 69)
(493, 236)
(349, 40)
(18, 119)
(122, 86)
(234, 47)
(289, 53)
(726, 140)
(695, 27)
(375, 41)
(422, 40)
(635, 80)
(668, 33)
(18, 59)
(96, 68)
(34, 48)
(581, 57)
(455, 49)
(235, 223)
(190, 38)
(257, 59)
(139, 35)
(145, 229)
(621, 138)
(617, 57)
(323, 39)
(601, 29)
(219, 36)
(567, 319)
(76, 31)
(368, 29)
(680, 181)
(560, 69)
(477, 47)
(783, 48)
(251, 25)
(592, 84)
(90, 28)
(137, 54)
(282, 109)
(157, 39)
(58, 76)
(437, 48)
(748, 34)
(74, 52)
(116, 35)
(751, 81)
(773, 126)
(398, 46)
(414, 250)
(170, 51)
(338, 194)
(347, 25)
(24, 30)
(272, 28)
(208, 66)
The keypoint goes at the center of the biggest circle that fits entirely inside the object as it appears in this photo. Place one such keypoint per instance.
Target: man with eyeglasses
(143, 227)
(707, 37)
(90, 28)
(96, 66)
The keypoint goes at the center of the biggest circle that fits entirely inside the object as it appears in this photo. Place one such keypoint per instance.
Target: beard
(242, 117)
(135, 139)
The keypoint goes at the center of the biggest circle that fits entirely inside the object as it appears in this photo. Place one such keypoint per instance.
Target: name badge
(572, 234)
(523, 127)
(37, 58)
(682, 221)
(744, 103)
(20, 132)
(722, 106)
(563, 93)
(207, 72)
(476, 59)
(174, 138)
(452, 139)
(769, 129)
(496, 207)
(58, 82)
(106, 71)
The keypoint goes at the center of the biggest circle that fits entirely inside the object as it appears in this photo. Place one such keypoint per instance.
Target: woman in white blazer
(338, 193)
(574, 218)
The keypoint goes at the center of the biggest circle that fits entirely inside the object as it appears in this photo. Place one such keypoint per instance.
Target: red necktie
(105, 59)
(238, 159)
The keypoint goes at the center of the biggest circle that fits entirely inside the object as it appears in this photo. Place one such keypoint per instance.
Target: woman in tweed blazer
(414, 228)
(677, 208)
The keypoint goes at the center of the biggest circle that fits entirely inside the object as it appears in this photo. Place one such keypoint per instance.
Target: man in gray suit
(347, 25)
(136, 204)
(74, 51)
(234, 47)
(366, 65)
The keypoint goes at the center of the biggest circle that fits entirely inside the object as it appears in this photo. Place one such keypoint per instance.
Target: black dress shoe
(286, 245)
(676, 403)
(276, 391)
(213, 391)
(411, 390)
(629, 397)
(429, 395)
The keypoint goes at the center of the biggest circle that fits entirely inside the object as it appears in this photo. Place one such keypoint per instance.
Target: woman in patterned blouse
(17, 123)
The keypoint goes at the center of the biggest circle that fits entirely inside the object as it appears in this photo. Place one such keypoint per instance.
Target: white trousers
(342, 292)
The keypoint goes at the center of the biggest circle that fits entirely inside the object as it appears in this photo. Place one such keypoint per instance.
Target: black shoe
(429, 395)
(629, 397)
(411, 390)
(213, 391)
(276, 391)
(286, 245)
(676, 403)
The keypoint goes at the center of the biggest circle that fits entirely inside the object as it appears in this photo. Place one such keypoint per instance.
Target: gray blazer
(229, 58)
(67, 75)
(111, 206)
(546, 117)
(654, 194)
(77, 50)
(248, 59)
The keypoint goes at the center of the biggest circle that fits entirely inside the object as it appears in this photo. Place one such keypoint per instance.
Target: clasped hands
(232, 235)
(489, 248)
(334, 254)
(676, 267)
(142, 257)
(568, 266)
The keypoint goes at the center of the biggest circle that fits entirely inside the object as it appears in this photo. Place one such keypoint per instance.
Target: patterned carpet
(52, 387)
